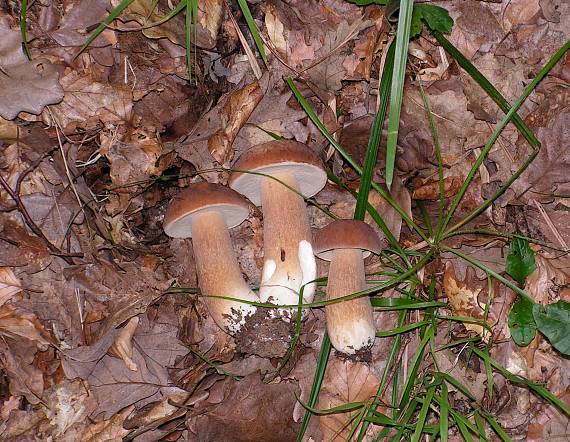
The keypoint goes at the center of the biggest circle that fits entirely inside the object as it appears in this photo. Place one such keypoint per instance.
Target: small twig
(550, 224)
(30, 222)
(32, 166)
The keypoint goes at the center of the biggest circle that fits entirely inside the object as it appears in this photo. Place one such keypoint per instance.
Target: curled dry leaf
(9, 284)
(463, 297)
(328, 72)
(108, 430)
(24, 379)
(430, 189)
(204, 32)
(234, 114)
(210, 141)
(154, 348)
(15, 321)
(550, 280)
(345, 381)
(83, 15)
(475, 28)
(69, 405)
(133, 159)
(123, 345)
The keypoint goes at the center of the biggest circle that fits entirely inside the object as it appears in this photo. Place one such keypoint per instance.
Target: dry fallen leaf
(464, 298)
(9, 284)
(233, 116)
(123, 345)
(247, 410)
(155, 347)
(89, 102)
(345, 381)
(25, 86)
(110, 430)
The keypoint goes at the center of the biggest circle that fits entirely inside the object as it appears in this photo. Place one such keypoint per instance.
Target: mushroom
(345, 243)
(289, 262)
(204, 212)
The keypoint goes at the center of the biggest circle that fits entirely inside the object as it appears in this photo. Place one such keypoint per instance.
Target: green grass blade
(315, 119)
(486, 86)
(397, 89)
(253, 29)
(444, 413)
(24, 28)
(394, 351)
(538, 389)
(423, 415)
(462, 426)
(189, 29)
(375, 135)
(402, 329)
(179, 7)
(487, 148)
(490, 272)
(497, 428)
(480, 426)
(437, 148)
(317, 382)
(415, 365)
(374, 215)
(112, 16)
(349, 406)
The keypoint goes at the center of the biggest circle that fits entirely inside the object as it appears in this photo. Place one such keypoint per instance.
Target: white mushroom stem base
(349, 323)
(288, 254)
(219, 273)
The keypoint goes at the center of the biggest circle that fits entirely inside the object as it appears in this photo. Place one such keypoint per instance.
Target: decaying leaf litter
(104, 334)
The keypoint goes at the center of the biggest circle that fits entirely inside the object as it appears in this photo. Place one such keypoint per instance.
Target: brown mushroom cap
(278, 157)
(346, 234)
(199, 198)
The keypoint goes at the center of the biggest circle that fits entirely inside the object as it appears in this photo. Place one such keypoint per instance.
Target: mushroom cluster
(277, 176)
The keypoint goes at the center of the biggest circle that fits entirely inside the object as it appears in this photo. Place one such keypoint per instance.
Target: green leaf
(520, 260)
(253, 29)
(553, 321)
(397, 87)
(521, 322)
(436, 18)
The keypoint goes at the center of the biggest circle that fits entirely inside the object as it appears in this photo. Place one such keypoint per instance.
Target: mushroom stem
(215, 256)
(289, 261)
(349, 323)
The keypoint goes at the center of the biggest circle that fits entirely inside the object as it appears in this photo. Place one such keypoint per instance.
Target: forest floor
(104, 335)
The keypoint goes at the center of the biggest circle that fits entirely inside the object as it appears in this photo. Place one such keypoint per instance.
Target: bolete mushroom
(204, 212)
(346, 243)
(289, 262)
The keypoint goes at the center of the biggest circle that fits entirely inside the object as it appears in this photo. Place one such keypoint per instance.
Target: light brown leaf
(345, 381)
(430, 189)
(110, 430)
(155, 348)
(234, 114)
(69, 403)
(16, 322)
(9, 284)
(463, 297)
(275, 30)
(89, 102)
(123, 345)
